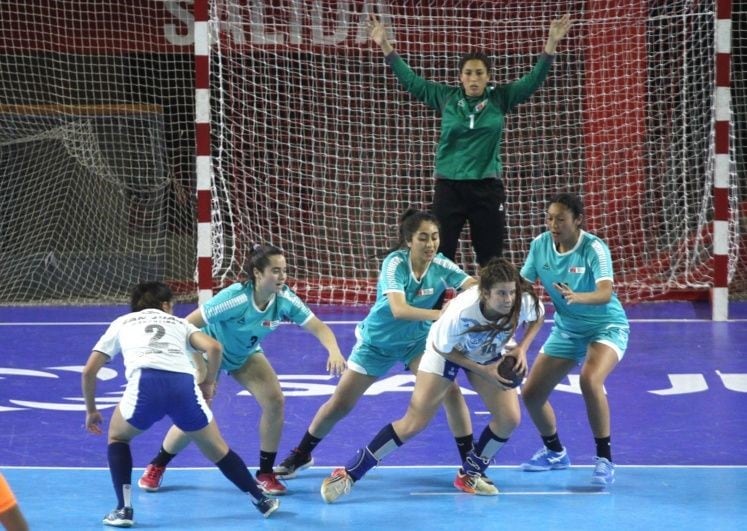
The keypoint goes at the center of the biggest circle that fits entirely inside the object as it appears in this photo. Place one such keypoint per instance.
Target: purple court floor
(679, 412)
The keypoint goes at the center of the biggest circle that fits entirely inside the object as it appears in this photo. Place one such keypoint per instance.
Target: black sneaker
(120, 517)
(294, 463)
(267, 506)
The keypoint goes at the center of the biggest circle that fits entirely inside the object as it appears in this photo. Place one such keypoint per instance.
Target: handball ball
(506, 371)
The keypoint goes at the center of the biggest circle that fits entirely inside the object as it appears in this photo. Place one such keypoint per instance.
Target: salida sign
(296, 23)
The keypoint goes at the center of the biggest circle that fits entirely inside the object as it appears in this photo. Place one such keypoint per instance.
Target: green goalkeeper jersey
(469, 147)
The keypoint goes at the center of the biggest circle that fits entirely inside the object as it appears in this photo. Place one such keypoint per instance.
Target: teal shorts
(375, 361)
(562, 344)
(230, 363)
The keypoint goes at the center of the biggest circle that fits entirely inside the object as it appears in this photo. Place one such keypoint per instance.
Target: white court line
(106, 323)
(381, 467)
(519, 493)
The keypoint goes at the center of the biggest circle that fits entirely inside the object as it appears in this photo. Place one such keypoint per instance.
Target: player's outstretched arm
(335, 361)
(88, 383)
(558, 30)
(377, 31)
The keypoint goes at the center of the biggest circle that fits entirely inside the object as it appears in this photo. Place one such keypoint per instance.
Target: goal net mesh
(318, 150)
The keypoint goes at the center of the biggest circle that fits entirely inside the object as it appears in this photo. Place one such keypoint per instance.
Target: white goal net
(318, 150)
(96, 152)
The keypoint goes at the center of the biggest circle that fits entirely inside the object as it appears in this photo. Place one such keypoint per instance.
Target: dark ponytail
(259, 258)
(409, 222)
(502, 270)
(148, 295)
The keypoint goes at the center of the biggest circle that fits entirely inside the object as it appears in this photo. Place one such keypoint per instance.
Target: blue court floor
(679, 413)
(645, 498)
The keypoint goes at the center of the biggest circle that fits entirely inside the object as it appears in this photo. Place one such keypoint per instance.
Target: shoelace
(152, 473)
(341, 480)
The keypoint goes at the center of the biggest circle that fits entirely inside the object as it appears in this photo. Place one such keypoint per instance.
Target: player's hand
(489, 372)
(376, 30)
(336, 364)
(566, 292)
(208, 390)
(93, 422)
(520, 354)
(559, 28)
(504, 383)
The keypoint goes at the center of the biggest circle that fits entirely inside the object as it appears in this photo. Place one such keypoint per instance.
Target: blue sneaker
(544, 459)
(604, 472)
(267, 506)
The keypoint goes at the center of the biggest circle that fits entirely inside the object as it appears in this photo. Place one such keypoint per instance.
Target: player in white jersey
(157, 349)
(590, 329)
(240, 316)
(413, 278)
(476, 333)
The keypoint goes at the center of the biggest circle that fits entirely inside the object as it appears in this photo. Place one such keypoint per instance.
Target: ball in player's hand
(507, 372)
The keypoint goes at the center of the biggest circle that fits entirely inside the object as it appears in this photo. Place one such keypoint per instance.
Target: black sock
(120, 468)
(604, 447)
(489, 443)
(266, 461)
(553, 442)
(163, 458)
(464, 445)
(234, 468)
(307, 444)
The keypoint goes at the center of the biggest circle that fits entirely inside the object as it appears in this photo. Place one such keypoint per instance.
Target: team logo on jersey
(579, 270)
(424, 292)
(270, 324)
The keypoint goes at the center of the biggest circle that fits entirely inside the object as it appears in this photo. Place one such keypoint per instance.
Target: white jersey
(150, 339)
(463, 312)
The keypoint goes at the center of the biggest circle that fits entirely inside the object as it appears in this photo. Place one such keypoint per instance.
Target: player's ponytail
(150, 295)
(259, 258)
(409, 223)
(570, 201)
(502, 270)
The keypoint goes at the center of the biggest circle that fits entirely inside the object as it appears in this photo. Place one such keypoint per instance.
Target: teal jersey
(469, 146)
(581, 268)
(380, 328)
(233, 318)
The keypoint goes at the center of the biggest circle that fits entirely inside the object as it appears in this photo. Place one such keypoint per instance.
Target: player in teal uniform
(468, 157)
(591, 329)
(240, 316)
(412, 280)
(474, 333)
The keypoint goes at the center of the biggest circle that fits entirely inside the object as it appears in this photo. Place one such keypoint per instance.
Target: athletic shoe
(486, 479)
(474, 485)
(475, 465)
(120, 517)
(151, 478)
(604, 472)
(545, 459)
(337, 484)
(269, 484)
(294, 463)
(267, 506)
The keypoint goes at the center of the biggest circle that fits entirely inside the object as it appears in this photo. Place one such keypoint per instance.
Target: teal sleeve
(432, 94)
(528, 270)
